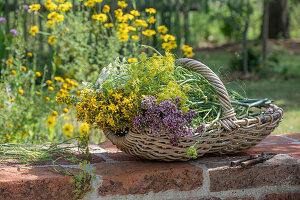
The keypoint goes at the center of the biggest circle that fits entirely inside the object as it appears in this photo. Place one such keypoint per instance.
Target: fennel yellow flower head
(38, 74)
(135, 37)
(132, 60)
(20, 91)
(151, 20)
(66, 118)
(84, 129)
(49, 5)
(29, 54)
(35, 7)
(48, 82)
(51, 39)
(78, 93)
(49, 24)
(68, 129)
(11, 100)
(34, 30)
(122, 4)
(162, 29)
(54, 113)
(106, 9)
(50, 89)
(100, 17)
(135, 13)
(150, 10)
(60, 79)
(149, 32)
(65, 110)
(90, 3)
(108, 25)
(13, 72)
(23, 68)
(47, 99)
(51, 122)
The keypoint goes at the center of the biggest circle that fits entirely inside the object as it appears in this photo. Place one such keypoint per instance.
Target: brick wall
(120, 176)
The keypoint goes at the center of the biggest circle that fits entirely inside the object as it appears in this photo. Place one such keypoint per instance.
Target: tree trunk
(245, 42)
(279, 19)
(264, 32)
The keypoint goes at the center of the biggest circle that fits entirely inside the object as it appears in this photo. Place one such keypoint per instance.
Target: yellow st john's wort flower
(135, 13)
(108, 25)
(38, 74)
(47, 99)
(13, 72)
(149, 32)
(150, 10)
(54, 114)
(106, 9)
(34, 30)
(122, 4)
(20, 91)
(68, 129)
(29, 54)
(132, 60)
(65, 110)
(151, 20)
(135, 37)
(23, 68)
(162, 29)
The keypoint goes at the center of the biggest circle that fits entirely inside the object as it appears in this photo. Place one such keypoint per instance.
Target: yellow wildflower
(10, 61)
(140, 22)
(23, 68)
(9, 125)
(49, 24)
(1, 105)
(23, 135)
(19, 125)
(90, 3)
(20, 91)
(100, 17)
(135, 37)
(132, 60)
(123, 38)
(51, 39)
(78, 93)
(11, 100)
(149, 32)
(37, 92)
(68, 129)
(135, 13)
(60, 18)
(66, 118)
(108, 25)
(106, 9)
(7, 137)
(118, 13)
(122, 4)
(167, 37)
(35, 7)
(29, 54)
(47, 99)
(48, 82)
(151, 20)
(65, 110)
(162, 29)
(38, 74)
(34, 30)
(52, 15)
(150, 10)
(51, 122)
(50, 5)
(50, 89)
(84, 129)
(13, 72)
(54, 113)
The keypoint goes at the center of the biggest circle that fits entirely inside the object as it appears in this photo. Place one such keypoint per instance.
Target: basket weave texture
(228, 135)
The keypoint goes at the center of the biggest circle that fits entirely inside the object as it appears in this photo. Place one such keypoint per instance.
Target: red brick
(282, 149)
(108, 146)
(285, 196)
(143, 177)
(274, 139)
(222, 179)
(121, 156)
(34, 183)
(295, 136)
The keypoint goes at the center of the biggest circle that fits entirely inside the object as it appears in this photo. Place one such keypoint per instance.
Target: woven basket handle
(228, 115)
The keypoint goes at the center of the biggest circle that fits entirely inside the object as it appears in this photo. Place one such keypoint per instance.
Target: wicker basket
(228, 135)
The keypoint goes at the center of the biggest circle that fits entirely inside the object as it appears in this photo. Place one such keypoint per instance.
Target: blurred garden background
(51, 48)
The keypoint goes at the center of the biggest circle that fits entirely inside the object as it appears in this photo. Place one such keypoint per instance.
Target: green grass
(286, 93)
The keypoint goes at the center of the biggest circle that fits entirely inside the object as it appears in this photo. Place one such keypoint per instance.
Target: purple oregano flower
(26, 7)
(14, 31)
(2, 19)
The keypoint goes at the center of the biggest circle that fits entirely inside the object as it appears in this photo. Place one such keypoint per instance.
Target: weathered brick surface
(275, 139)
(108, 146)
(34, 184)
(285, 196)
(121, 156)
(254, 177)
(275, 148)
(143, 177)
(294, 136)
